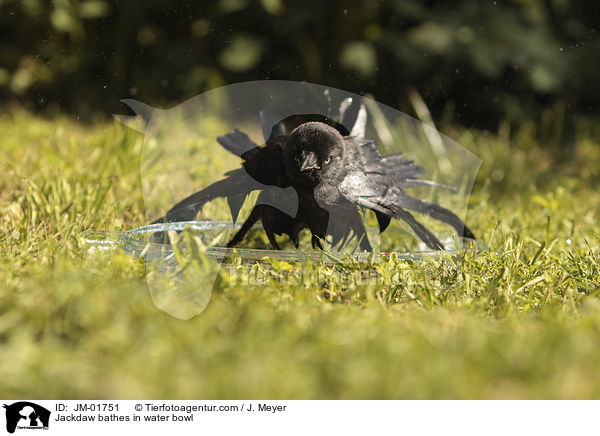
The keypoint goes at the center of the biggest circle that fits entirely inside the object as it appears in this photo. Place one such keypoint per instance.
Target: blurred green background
(474, 62)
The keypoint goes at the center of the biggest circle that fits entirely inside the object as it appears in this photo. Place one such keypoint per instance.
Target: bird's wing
(405, 174)
(373, 166)
(237, 142)
(237, 183)
(435, 211)
(266, 165)
(263, 169)
(371, 191)
(363, 191)
(376, 183)
(400, 172)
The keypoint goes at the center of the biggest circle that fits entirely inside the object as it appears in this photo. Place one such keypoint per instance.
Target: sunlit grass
(521, 320)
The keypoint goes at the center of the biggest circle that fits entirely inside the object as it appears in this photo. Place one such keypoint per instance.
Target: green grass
(519, 321)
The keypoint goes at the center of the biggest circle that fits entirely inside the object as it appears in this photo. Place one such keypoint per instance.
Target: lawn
(521, 320)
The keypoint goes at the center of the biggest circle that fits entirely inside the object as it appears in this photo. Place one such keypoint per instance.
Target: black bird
(345, 172)
(314, 178)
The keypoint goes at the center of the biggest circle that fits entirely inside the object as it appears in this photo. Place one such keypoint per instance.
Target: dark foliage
(477, 62)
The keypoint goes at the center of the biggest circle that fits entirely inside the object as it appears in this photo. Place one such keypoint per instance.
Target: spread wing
(369, 190)
(377, 183)
(262, 169)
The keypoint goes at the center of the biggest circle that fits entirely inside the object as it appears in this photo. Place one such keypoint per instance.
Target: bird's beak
(309, 161)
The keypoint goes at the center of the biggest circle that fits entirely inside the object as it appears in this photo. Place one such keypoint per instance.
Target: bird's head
(313, 149)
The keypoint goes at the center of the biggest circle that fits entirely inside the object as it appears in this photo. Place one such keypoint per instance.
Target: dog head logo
(26, 415)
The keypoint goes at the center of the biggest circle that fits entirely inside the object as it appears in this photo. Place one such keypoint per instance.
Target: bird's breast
(327, 195)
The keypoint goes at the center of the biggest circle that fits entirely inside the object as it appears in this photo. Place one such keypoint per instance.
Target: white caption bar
(42, 417)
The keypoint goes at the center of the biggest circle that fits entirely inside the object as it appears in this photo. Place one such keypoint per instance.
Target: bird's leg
(317, 219)
(294, 234)
(274, 222)
(254, 216)
(271, 237)
(361, 234)
(277, 222)
(342, 220)
(316, 242)
(359, 231)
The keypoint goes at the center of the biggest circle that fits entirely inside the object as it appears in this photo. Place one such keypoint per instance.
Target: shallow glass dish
(145, 241)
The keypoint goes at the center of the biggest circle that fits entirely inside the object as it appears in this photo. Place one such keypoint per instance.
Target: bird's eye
(326, 161)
